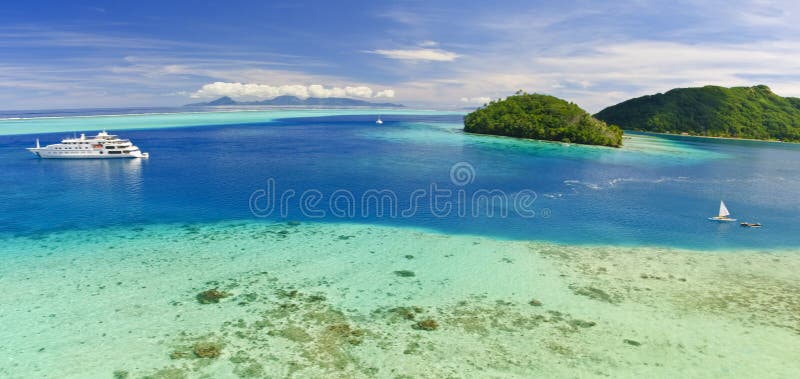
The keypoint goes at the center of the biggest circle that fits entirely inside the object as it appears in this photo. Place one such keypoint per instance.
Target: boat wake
(575, 184)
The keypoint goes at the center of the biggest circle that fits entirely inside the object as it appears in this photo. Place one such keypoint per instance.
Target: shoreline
(523, 139)
(710, 137)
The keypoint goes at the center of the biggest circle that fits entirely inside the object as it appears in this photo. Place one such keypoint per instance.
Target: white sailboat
(379, 121)
(723, 214)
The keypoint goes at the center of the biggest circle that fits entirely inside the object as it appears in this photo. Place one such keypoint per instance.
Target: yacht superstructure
(103, 145)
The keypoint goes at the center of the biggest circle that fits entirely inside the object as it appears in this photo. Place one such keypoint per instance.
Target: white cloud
(595, 77)
(249, 91)
(582, 55)
(385, 93)
(316, 90)
(579, 54)
(476, 100)
(254, 91)
(437, 55)
(359, 91)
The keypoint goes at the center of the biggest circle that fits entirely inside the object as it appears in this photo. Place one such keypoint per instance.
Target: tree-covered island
(541, 117)
(738, 112)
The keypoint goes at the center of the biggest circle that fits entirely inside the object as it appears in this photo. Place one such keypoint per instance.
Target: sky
(432, 54)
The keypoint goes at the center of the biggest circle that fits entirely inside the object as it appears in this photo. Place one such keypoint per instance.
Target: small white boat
(379, 121)
(723, 214)
(102, 146)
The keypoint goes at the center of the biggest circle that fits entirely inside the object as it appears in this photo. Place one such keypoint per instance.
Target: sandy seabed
(257, 300)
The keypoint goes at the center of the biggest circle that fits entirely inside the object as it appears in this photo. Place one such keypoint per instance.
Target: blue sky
(57, 54)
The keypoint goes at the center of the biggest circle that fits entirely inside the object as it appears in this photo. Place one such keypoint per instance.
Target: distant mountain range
(296, 101)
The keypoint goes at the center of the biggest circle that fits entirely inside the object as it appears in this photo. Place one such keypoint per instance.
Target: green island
(541, 117)
(738, 112)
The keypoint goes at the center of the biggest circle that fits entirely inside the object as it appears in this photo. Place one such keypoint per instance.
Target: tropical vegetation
(542, 117)
(740, 112)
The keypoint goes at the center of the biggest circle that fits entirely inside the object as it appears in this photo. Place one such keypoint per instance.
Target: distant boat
(723, 214)
(379, 121)
(750, 224)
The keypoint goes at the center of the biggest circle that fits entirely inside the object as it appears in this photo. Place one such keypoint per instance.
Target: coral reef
(407, 313)
(353, 336)
(292, 333)
(593, 293)
(211, 296)
(167, 373)
(582, 323)
(427, 324)
(207, 349)
(404, 273)
(180, 354)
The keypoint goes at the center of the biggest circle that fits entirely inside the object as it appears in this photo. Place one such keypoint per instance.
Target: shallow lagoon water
(321, 300)
(102, 261)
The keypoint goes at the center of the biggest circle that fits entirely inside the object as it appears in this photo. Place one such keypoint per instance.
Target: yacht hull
(49, 154)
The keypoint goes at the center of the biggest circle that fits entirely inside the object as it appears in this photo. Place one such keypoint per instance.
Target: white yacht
(103, 145)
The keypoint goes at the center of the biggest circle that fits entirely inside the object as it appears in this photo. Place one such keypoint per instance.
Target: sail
(723, 210)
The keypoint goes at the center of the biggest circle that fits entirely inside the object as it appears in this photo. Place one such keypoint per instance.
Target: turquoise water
(168, 118)
(617, 274)
(343, 300)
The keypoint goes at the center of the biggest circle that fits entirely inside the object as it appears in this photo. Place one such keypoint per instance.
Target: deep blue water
(583, 194)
